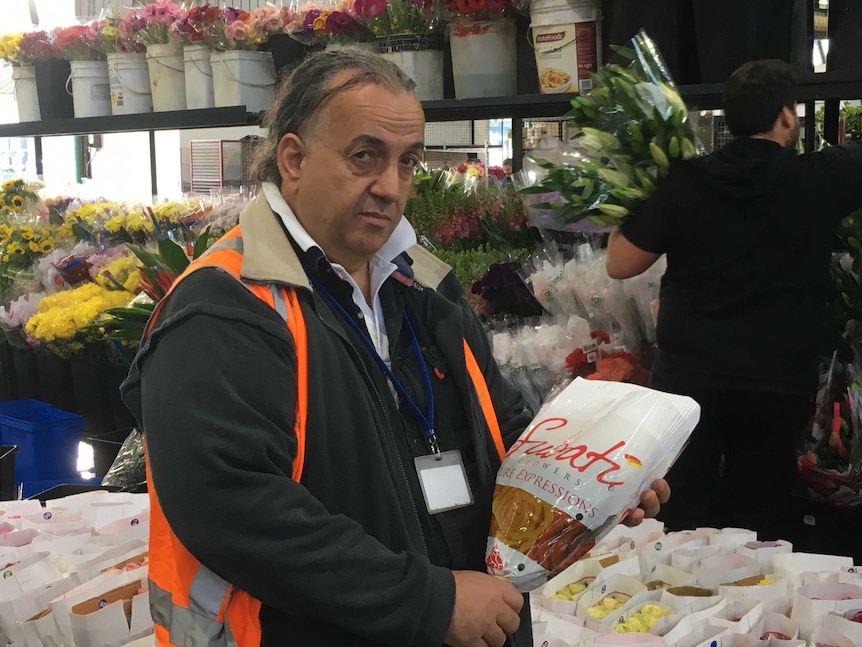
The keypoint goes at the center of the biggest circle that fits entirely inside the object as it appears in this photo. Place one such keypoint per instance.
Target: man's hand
(486, 609)
(651, 501)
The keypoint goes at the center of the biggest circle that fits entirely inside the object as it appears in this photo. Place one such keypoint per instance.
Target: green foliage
(845, 271)
(634, 124)
(471, 265)
(457, 211)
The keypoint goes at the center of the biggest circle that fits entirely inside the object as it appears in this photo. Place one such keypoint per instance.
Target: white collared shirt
(380, 267)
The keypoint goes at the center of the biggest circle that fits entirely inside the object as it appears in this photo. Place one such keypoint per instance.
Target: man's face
(350, 180)
(508, 168)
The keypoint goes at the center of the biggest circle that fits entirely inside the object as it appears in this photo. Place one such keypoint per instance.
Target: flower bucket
(242, 78)
(566, 40)
(91, 90)
(51, 78)
(420, 56)
(26, 96)
(167, 77)
(483, 58)
(130, 83)
(199, 77)
(358, 46)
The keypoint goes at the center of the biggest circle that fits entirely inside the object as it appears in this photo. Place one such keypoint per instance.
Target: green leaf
(173, 255)
(149, 260)
(201, 244)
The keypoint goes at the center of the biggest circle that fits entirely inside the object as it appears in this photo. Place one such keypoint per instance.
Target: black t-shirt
(747, 232)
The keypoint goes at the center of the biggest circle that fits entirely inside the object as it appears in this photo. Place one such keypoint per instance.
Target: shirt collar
(402, 238)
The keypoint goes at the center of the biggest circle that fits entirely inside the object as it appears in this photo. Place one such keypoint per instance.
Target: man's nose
(387, 184)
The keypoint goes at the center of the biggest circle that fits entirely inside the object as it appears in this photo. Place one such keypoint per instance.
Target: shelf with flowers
(482, 42)
(410, 33)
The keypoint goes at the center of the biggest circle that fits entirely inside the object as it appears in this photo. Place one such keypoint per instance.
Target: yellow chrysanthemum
(26, 233)
(46, 246)
(65, 230)
(8, 184)
(34, 246)
(109, 31)
(15, 248)
(61, 315)
(17, 201)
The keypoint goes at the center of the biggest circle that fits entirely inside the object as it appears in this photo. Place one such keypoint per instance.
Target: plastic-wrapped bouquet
(633, 124)
(579, 469)
(392, 17)
(318, 23)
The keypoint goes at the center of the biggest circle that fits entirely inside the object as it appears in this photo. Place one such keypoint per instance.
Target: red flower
(576, 359)
(470, 6)
(601, 335)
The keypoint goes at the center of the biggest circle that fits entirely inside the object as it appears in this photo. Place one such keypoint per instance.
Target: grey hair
(305, 91)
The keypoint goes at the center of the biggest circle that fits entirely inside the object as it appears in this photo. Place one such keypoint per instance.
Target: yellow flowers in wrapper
(569, 591)
(607, 606)
(577, 470)
(643, 620)
(60, 316)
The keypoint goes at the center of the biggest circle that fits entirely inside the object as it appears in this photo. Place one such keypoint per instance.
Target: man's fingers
(512, 597)
(649, 503)
(495, 637)
(662, 490)
(508, 621)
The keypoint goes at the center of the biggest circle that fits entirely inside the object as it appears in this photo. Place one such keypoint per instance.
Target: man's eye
(410, 161)
(362, 156)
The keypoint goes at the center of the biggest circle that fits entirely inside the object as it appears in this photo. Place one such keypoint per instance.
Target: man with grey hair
(326, 477)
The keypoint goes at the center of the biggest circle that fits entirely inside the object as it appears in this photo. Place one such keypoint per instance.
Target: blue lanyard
(427, 420)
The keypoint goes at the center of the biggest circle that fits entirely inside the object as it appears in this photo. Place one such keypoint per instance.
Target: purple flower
(310, 17)
(339, 22)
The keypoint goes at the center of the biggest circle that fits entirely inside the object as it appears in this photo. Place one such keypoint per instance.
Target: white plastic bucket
(24, 78)
(199, 77)
(130, 83)
(420, 56)
(483, 58)
(567, 43)
(167, 77)
(242, 78)
(91, 90)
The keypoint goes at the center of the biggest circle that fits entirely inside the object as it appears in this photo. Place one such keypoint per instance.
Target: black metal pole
(153, 175)
(517, 143)
(37, 151)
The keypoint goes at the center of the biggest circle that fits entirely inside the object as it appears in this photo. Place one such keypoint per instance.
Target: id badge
(444, 481)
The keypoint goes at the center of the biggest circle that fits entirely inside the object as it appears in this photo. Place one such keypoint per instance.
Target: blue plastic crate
(47, 439)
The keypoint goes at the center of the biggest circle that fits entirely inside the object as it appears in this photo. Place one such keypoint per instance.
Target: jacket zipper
(382, 407)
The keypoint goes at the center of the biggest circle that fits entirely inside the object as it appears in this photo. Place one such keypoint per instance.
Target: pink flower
(236, 31)
(149, 12)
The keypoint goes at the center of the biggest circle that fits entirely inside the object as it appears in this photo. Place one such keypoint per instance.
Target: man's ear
(290, 154)
(787, 118)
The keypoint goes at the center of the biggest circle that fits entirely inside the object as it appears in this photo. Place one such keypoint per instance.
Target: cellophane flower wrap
(577, 471)
(392, 17)
(633, 126)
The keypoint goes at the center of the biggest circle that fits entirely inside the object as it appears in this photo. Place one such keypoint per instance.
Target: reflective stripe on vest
(190, 604)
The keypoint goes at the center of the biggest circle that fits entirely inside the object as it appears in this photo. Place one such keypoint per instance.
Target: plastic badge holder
(47, 439)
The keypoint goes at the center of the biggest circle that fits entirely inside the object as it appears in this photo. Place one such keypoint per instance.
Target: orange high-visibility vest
(189, 603)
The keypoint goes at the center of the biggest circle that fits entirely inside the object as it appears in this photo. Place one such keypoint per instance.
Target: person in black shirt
(747, 231)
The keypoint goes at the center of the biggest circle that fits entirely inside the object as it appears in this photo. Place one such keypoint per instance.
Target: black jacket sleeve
(214, 390)
(837, 171)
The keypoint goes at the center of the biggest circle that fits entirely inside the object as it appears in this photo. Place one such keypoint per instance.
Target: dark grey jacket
(349, 555)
